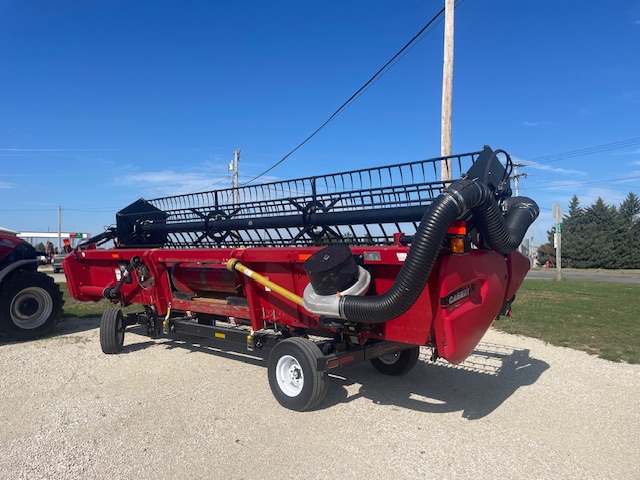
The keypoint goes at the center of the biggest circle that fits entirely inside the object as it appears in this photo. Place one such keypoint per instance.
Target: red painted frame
(464, 293)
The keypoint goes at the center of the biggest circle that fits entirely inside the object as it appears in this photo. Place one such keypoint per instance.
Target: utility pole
(59, 227)
(557, 215)
(447, 90)
(516, 176)
(233, 166)
(516, 183)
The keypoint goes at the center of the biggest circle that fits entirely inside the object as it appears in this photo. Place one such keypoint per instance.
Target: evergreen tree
(574, 240)
(600, 236)
(629, 213)
(603, 229)
(629, 209)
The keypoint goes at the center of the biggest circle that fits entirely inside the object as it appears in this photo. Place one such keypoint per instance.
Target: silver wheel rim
(31, 308)
(289, 376)
(390, 359)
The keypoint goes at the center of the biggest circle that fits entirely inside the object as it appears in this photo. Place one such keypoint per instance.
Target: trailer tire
(30, 305)
(112, 329)
(293, 373)
(397, 363)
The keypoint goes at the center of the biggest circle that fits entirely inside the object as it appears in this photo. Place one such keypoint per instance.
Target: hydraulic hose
(455, 200)
(504, 233)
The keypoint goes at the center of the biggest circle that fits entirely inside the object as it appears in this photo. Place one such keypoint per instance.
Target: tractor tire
(30, 305)
(397, 363)
(293, 373)
(112, 327)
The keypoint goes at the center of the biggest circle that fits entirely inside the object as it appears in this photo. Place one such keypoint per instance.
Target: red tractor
(30, 301)
(324, 271)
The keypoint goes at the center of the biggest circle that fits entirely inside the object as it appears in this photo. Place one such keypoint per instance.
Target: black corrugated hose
(501, 234)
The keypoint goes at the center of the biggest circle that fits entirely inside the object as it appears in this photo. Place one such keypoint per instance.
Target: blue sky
(104, 102)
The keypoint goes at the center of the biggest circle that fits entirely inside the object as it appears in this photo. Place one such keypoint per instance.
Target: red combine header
(368, 264)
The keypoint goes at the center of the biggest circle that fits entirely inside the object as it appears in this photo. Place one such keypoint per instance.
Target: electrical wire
(551, 187)
(631, 142)
(352, 98)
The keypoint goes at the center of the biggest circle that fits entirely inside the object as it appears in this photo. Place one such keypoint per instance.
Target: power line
(578, 153)
(585, 183)
(631, 142)
(352, 98)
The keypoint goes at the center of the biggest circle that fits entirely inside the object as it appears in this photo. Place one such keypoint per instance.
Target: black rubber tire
(30, 305)
(397, 363)
(302, 356)
(112, 328)
(56, 270)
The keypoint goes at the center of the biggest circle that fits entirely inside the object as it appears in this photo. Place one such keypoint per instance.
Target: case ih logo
(457, 295)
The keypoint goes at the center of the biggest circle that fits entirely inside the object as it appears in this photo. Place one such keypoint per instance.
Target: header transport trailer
(324, 271)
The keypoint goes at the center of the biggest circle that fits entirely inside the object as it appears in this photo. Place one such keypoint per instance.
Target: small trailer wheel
(397, 363)
(112, 331)
(293, 374)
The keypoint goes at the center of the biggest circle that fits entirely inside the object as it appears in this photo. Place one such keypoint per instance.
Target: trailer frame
(241, 271)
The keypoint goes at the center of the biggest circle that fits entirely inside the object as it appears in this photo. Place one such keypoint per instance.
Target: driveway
(175, 408)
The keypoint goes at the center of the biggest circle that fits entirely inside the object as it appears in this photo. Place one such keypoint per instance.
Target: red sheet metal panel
(471, 289)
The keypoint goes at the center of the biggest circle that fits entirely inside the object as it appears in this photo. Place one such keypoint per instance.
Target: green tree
(600, 236)
(629, 209)
(629, 213)
(604, 229)
(574, 240)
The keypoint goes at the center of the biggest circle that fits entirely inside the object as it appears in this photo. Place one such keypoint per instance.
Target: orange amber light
(457, 245)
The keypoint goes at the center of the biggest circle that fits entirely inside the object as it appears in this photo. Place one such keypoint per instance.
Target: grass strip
(600, 318)
(75, 308)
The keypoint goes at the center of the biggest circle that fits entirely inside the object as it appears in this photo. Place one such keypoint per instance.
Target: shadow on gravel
(69, 325)
(219, 348)
(66, 326)
(476, 387)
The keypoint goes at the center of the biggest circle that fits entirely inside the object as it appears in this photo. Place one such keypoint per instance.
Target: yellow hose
(235, 265)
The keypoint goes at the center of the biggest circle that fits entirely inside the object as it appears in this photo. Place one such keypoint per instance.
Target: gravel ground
(165, 409)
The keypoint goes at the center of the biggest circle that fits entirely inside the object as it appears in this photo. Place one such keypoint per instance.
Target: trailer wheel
(293, 374)
(397, 363)
(30, 305)
(112, 331)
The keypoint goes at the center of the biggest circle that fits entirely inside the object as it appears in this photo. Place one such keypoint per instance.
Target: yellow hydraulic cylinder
(235, 265)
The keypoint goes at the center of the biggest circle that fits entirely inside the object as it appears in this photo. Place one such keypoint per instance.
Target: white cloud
(170, 182)
(5, 185)
(608, 195)
(550, 168)
(538, 124)
(160, 183)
